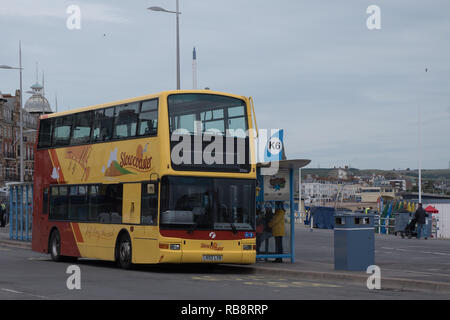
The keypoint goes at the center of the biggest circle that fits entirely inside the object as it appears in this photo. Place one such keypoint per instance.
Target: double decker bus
(162, 178)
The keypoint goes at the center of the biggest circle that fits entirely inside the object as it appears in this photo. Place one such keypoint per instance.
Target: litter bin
(428, 226)
(354, 242)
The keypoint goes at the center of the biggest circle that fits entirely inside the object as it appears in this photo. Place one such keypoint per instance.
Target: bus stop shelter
(275, 191)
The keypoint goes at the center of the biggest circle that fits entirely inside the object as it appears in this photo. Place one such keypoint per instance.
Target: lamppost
(21, 114)
(178, 36)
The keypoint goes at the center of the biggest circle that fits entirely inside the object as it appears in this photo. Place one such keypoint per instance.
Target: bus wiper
(193, 227)
(233, 228)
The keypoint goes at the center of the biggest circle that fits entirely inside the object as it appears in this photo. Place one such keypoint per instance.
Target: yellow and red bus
(162, 178)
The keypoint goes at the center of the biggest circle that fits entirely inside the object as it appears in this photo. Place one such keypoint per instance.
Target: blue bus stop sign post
(292, 209)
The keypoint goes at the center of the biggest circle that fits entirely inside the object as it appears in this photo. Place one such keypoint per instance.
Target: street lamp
(21, 114)
(177, 12)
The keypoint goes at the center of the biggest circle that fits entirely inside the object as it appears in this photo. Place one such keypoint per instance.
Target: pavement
(406, 264)
(5, 239)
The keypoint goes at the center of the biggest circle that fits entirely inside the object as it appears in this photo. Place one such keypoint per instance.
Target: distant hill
(433, 174)
(429, 174)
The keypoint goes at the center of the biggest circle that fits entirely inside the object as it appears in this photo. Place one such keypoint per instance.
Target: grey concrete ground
(28, 275)
(418, 266)
(398, 258)
(404, 263)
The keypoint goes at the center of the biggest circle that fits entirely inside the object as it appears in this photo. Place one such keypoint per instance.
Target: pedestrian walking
(277, 225)
(420, 217)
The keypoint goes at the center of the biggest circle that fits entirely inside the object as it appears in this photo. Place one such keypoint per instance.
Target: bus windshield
(217, 114)
(207, 203)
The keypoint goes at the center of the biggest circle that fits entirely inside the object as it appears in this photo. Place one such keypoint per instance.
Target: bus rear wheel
(55, 246)
(124, 252)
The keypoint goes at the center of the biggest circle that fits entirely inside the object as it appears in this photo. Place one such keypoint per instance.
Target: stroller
(410, 230)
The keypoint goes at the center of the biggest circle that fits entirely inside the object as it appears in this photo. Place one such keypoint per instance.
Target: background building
(10, 151)
(372, 194)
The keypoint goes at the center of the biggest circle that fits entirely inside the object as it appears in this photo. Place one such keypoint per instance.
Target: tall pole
(300, 208)
(420, 158)
(21, 115)
(178, 45)
(194, 70)
(420, 152)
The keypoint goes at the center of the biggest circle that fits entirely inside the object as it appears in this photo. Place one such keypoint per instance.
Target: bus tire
(55, 246)
(124, 251)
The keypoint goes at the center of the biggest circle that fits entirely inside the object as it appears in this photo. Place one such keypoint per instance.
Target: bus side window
(58, 203)
(149, 204)
(45, 202)
(126, 118)
(45, 133)
(81, 128)
(148, 118)
(93, 202)
(78, 205)
(61, 131)
(109, 200)
(103, 125)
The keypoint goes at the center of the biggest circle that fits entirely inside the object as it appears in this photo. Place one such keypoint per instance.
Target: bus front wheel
(124, 251)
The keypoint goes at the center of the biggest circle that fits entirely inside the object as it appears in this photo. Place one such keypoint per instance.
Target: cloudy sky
(344, 94)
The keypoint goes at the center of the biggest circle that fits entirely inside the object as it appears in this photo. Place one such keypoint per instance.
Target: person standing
(420, 216)
(2, 214)
(259, 228)
(267, 231)
(277, 225)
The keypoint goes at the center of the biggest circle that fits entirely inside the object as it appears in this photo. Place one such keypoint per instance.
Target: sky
(344, 94)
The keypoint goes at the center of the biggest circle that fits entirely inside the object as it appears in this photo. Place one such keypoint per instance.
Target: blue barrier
(20, 211)
(323, 217)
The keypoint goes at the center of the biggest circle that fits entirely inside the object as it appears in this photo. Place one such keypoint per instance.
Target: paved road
(28, 275)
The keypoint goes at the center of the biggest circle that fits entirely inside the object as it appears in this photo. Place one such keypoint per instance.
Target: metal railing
(20, 211)
(384, 225)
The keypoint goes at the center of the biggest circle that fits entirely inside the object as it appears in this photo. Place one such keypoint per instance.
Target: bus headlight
(247, 247)
(175, 246)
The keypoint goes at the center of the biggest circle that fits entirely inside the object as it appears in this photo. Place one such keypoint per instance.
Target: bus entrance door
(131, 211)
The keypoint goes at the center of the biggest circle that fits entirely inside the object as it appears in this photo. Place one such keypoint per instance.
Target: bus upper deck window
(103, 124)
(61, 132)
(148, 118)
(45, 133)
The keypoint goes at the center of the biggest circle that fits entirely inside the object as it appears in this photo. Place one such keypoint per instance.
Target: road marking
(39, 259)
(277, 284)
(12, 291)
(438, 253)
(314, 284)
(250, 283)
(281, 283)
(28, 294)
(415, 251)
(206, 278)
(421, 273)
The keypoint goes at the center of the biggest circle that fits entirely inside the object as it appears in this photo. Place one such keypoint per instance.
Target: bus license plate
(212, 258)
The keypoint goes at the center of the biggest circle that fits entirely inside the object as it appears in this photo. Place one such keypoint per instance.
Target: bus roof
(130, 100)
